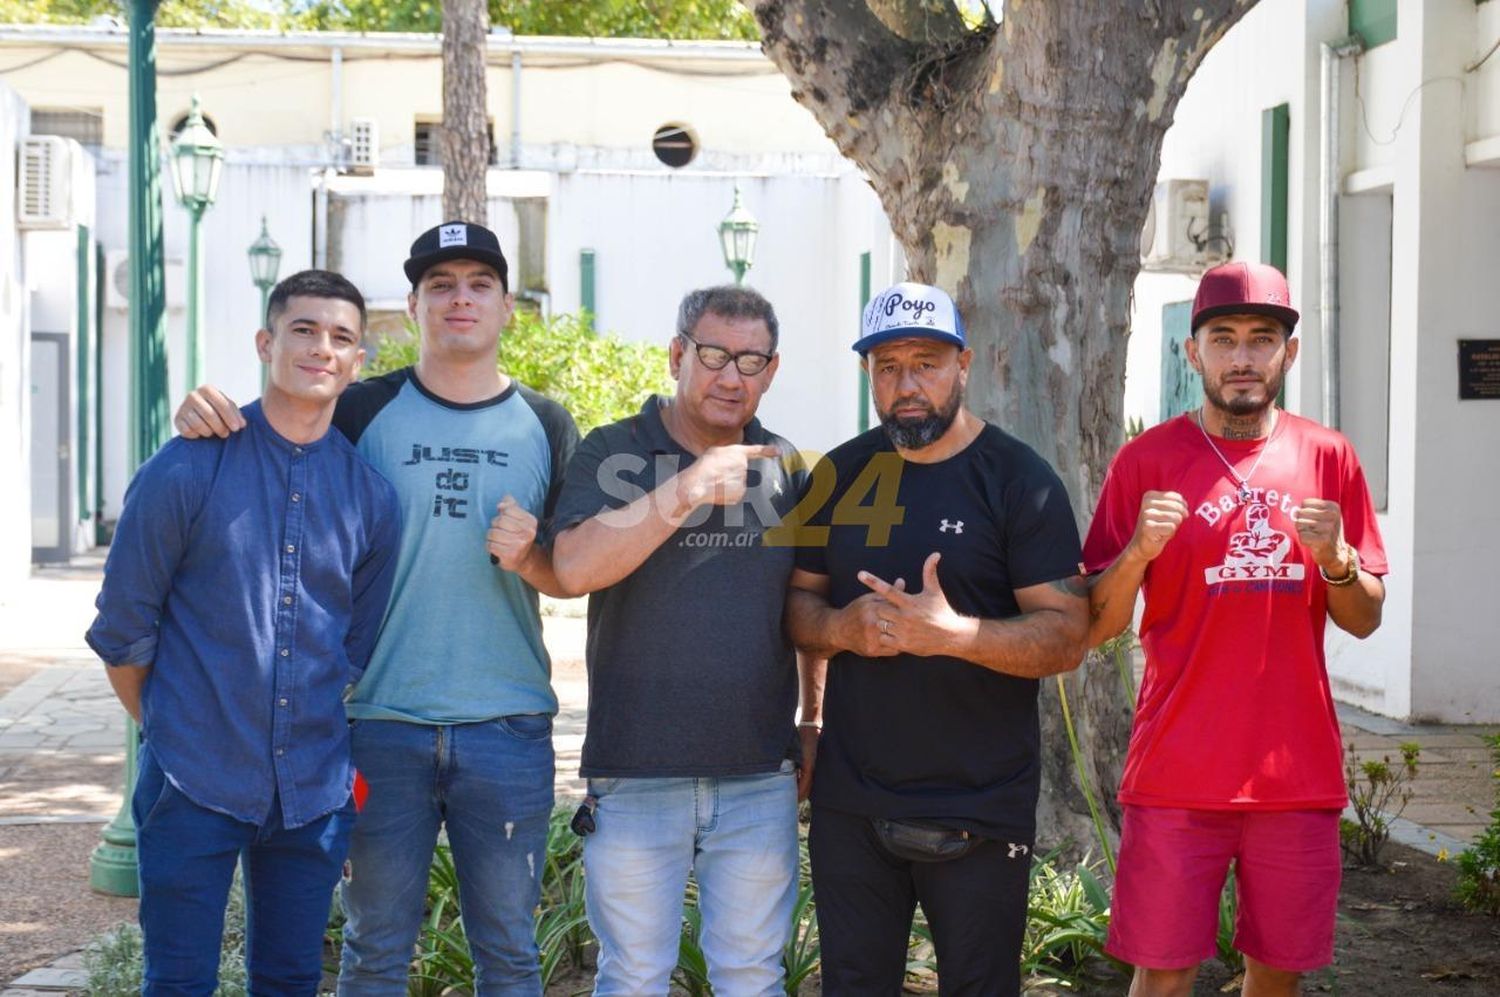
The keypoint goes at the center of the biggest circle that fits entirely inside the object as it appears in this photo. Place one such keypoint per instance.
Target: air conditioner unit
(1176, 237)
(364, 145)
(46, 188)
(117, 281)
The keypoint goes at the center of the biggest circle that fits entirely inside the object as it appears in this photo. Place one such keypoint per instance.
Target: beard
(925, 430)
(1243, 405)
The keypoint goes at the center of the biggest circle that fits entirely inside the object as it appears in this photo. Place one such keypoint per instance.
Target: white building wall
(1448, 239)
(15, 409)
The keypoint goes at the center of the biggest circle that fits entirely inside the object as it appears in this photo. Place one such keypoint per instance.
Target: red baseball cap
(1244, 289)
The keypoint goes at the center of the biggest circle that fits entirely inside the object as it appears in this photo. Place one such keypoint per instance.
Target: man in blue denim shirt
(453, 719)
(244, 588)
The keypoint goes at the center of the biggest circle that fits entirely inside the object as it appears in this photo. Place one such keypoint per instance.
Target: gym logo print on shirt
(957, 526)
(1257, 553)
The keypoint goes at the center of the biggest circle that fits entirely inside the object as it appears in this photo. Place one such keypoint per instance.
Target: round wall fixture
(675, 145)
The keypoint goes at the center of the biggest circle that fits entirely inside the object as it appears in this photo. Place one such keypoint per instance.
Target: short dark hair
(727, 301)
(314, 284)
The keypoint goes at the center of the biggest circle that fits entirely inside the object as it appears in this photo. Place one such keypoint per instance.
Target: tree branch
(842, 62)
(920, 20)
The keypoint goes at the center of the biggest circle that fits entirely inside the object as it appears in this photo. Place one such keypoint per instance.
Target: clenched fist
(511, 536)
(1161, 514)
(1320, 528)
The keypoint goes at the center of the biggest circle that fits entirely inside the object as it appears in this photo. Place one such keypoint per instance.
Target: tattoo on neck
(1245, 428)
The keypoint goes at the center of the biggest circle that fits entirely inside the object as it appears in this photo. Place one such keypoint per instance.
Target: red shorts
(1172, 868)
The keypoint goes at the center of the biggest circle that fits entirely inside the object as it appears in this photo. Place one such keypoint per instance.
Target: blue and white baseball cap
(909, 309)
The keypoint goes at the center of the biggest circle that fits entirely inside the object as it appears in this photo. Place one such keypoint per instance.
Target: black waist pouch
(921, 843)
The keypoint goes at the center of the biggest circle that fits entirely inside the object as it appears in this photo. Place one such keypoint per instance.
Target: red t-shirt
(1235, 709)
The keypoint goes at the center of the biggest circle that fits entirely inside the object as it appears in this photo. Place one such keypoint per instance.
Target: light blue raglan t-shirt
(462, 639)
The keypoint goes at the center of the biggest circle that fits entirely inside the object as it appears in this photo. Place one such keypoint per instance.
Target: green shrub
(1478, 886)
(597, 377)
(1378, 792)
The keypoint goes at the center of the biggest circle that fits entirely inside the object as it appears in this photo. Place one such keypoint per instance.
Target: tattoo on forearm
(1074, 586)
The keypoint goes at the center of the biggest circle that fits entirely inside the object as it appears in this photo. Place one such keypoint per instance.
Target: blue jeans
(490, 783)
(739, 838)
(186, 856)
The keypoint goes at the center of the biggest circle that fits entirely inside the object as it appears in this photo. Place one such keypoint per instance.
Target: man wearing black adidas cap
(938, 575)
(453, 718)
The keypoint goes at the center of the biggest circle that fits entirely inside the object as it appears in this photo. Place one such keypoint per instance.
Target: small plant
(1478, 886)
(1378, 792)
(1067, 920)
(1224, 937)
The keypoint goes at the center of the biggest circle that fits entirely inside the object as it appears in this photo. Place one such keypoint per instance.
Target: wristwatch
(1351, 575)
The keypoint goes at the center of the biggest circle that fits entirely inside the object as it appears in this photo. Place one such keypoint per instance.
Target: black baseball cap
(455, 241)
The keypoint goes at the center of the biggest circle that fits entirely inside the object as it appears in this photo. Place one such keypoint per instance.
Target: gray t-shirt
(690, 670)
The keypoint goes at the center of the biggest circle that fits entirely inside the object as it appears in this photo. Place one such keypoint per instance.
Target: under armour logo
(956, 526)
(453, 235)
(1017, 850)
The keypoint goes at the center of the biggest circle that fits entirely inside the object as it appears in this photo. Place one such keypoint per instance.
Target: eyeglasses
(747, 362)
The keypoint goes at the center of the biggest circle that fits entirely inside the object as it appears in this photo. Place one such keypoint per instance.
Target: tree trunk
(1015, 162)
(465, 132)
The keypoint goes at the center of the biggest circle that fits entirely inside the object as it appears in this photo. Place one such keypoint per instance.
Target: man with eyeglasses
(691, 750)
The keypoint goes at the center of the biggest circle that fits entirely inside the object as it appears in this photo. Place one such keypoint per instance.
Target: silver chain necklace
(1243, 479)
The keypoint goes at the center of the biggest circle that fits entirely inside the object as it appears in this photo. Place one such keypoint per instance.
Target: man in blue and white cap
(939, 576)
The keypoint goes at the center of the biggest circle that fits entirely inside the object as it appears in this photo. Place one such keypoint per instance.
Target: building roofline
(500, 42)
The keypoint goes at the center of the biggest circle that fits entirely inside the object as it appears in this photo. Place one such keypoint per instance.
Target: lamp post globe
(265, 262)
(197, 162)
(737, 238)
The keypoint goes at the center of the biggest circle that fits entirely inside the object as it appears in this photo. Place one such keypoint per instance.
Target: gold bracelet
(1350, 576)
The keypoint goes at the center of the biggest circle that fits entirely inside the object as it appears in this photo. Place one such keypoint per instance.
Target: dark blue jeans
(187, 856)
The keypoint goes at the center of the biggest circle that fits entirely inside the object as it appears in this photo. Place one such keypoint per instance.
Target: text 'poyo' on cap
(909, 309)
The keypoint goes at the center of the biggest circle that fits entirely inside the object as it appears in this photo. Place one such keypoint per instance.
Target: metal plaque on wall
(1478, 368)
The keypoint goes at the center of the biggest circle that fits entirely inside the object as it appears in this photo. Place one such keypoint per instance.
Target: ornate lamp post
(737, 238)
(265, 261)
(197, 161)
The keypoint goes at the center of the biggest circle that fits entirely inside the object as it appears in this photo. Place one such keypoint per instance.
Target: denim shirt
(252, 575)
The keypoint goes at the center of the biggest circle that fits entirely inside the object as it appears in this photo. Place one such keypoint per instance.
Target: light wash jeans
(737, 835)
(491, 784)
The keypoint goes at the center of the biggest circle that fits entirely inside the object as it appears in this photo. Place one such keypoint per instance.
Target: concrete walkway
(62, 750)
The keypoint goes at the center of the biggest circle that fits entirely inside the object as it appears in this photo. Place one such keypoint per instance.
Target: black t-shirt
(690, 669)
(936, 739)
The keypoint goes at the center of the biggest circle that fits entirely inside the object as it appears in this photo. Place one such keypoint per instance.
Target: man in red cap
(1245, 526)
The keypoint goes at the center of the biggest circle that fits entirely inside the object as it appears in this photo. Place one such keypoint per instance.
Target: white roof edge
(83, 35)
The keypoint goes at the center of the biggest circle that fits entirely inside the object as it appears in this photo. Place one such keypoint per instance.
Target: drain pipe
(515, 107)
(1330, 179)
(336, 112)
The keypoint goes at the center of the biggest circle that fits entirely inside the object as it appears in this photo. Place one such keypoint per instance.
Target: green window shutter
(586, 298)
(1373, 20)
(1181, 388)
(1275, 130)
